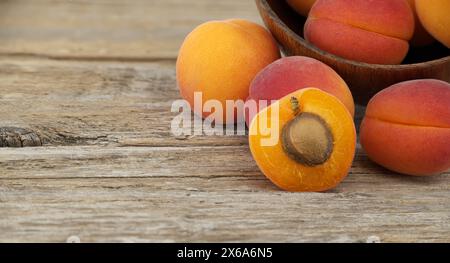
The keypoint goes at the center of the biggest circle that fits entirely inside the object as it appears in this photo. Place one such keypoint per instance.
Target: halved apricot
(304, 142)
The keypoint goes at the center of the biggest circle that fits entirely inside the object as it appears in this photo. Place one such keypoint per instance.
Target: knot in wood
(18, 137)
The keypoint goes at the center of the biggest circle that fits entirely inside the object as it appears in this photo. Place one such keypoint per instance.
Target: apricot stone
(220, 59)
(289, 74)
(435, 17)
(301, 6)
(313, 141)
(407, 127)
(374, 32)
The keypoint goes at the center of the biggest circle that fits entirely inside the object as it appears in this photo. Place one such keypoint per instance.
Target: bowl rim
(324, 53)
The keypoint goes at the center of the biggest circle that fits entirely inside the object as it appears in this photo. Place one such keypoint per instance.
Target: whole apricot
(220, 59)
(434, 15)
(421, 36)
(304, 142)
(406, 128)
(289, 74)
(374, 32)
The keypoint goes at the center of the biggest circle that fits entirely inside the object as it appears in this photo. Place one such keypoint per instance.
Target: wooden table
(93, 82)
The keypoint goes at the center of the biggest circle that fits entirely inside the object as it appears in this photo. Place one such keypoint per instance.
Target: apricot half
(406, 128)
(304, 142)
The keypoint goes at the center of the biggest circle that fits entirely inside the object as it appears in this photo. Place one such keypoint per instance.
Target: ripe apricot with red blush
(407, 127)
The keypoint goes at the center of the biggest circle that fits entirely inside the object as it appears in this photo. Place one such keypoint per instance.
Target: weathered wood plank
(69, 103)
(204, 194)
(18, 137)
(195, 161)
(103, 103)
(90, 180)
(49, 193)
(189, 209)
(108, 29)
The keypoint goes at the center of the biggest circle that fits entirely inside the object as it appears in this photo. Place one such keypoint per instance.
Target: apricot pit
(307, 139)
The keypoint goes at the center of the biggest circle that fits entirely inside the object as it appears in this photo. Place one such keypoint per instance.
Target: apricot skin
(289, 174)
(301, 6)
(374, 32)
(406, 128)
(421, 36)
(289, 74)
(434, 15)
(221, 58)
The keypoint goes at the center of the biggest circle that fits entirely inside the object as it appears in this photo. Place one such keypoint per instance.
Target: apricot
(434, 15)
(421, 36)
(311, 143)
(220, 59)
(374, 32)
(289, 74)
(406, 128)
(301, 6)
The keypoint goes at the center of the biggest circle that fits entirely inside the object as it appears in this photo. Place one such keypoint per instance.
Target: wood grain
(108, 29)
(96, 90)
(155, 194)
(94, 161)
(97, 103)
(79, 103)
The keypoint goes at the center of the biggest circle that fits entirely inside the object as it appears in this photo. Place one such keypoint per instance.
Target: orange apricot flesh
(315, 141)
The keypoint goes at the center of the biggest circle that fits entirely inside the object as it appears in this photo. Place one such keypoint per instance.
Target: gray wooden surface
(93, 82)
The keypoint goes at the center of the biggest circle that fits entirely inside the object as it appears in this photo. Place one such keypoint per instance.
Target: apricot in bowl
(421, 36)
(376, 32)
(311, 143)
(301, 6)
(434, 16)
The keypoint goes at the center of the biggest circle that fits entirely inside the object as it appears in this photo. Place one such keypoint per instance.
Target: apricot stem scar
(295, 105)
